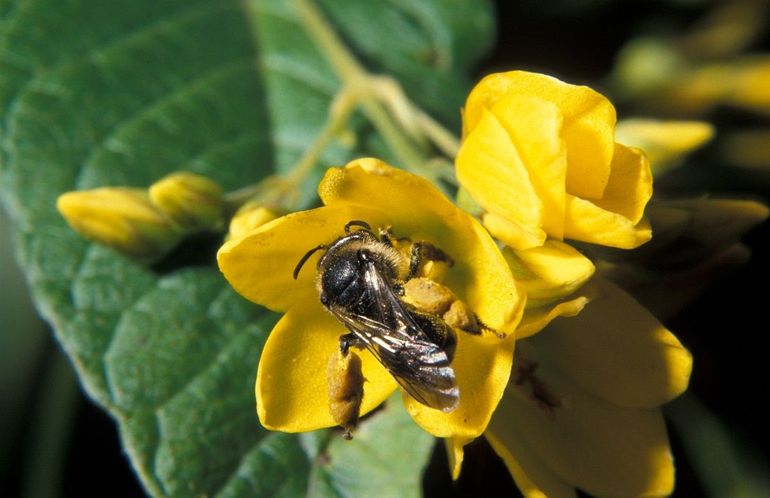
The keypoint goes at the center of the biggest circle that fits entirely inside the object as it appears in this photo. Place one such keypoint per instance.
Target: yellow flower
(539, 156)
(291, 385)
(582, 409)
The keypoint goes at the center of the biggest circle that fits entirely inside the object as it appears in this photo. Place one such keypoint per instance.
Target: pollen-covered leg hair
(483, 327)
(345, 381)
(436, 299)
(425, 251)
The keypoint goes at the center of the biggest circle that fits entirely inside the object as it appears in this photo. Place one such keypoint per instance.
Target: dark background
(578, 42)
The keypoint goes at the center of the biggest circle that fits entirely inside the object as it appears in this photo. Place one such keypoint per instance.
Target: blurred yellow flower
(582, 407)
(539, 156)
(291, 387)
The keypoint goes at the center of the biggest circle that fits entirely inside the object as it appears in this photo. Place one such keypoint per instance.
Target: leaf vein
(171, 94)
(187, 10)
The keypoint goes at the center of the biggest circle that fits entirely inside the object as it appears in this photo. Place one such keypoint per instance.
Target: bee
(361, 278)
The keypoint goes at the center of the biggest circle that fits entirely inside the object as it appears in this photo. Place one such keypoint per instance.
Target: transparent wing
(420, 366)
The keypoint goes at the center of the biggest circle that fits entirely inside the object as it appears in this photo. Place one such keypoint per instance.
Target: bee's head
(340, 279)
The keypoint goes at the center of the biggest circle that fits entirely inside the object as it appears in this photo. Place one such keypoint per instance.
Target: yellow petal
(490, 167)
(589, 443)
(587, 222)
(550, 272)
(250, 216)
(414, 208)
(482, 367)
(260, 264)
(616, 350)
(589, 121)
(512, 234)
(664, 142)
(630, 185)
(747, 148)
(750, 84)
(534, 127)
(536, 319)
(291, 383)
(533, 478)
(455, 454)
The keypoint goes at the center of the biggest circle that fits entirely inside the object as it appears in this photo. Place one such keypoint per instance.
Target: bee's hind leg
(350, 340)
(425, 251)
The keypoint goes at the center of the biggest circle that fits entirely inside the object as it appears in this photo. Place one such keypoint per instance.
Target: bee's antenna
(356, 223)
(305, 258)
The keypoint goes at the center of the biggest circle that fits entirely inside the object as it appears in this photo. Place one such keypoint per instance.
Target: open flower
(291, 383)
(582, 406)
(539, 156)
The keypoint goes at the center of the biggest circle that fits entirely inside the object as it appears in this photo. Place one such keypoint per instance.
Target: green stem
(355, 76)
(445, 140)
(51, 429)
(275, 189)
(725, 465)
(342, 107)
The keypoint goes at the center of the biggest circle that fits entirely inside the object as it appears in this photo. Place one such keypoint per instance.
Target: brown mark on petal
(524, 376)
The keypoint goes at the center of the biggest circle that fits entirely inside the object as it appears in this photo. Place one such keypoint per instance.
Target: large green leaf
(97, 93)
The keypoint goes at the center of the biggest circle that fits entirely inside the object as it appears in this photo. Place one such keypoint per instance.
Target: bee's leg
(484, 327)
(425, 251)
(438, 331)
(387, 236)
(350, 340)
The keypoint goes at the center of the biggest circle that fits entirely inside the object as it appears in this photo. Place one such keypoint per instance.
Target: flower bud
(192, 202)
(719, 222)
(121, 218)
(666, 143)
(691, 231)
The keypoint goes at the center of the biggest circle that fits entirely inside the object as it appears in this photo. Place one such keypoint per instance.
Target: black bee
(360, 281)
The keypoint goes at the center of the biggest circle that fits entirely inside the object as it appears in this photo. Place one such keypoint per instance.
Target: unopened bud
(192, 202)
(346, 389)
(121, 218)
(250, 216)
(665, 143)
(691, 231)
(719, 222)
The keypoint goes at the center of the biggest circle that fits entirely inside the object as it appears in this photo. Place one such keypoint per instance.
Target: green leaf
(96, 93)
